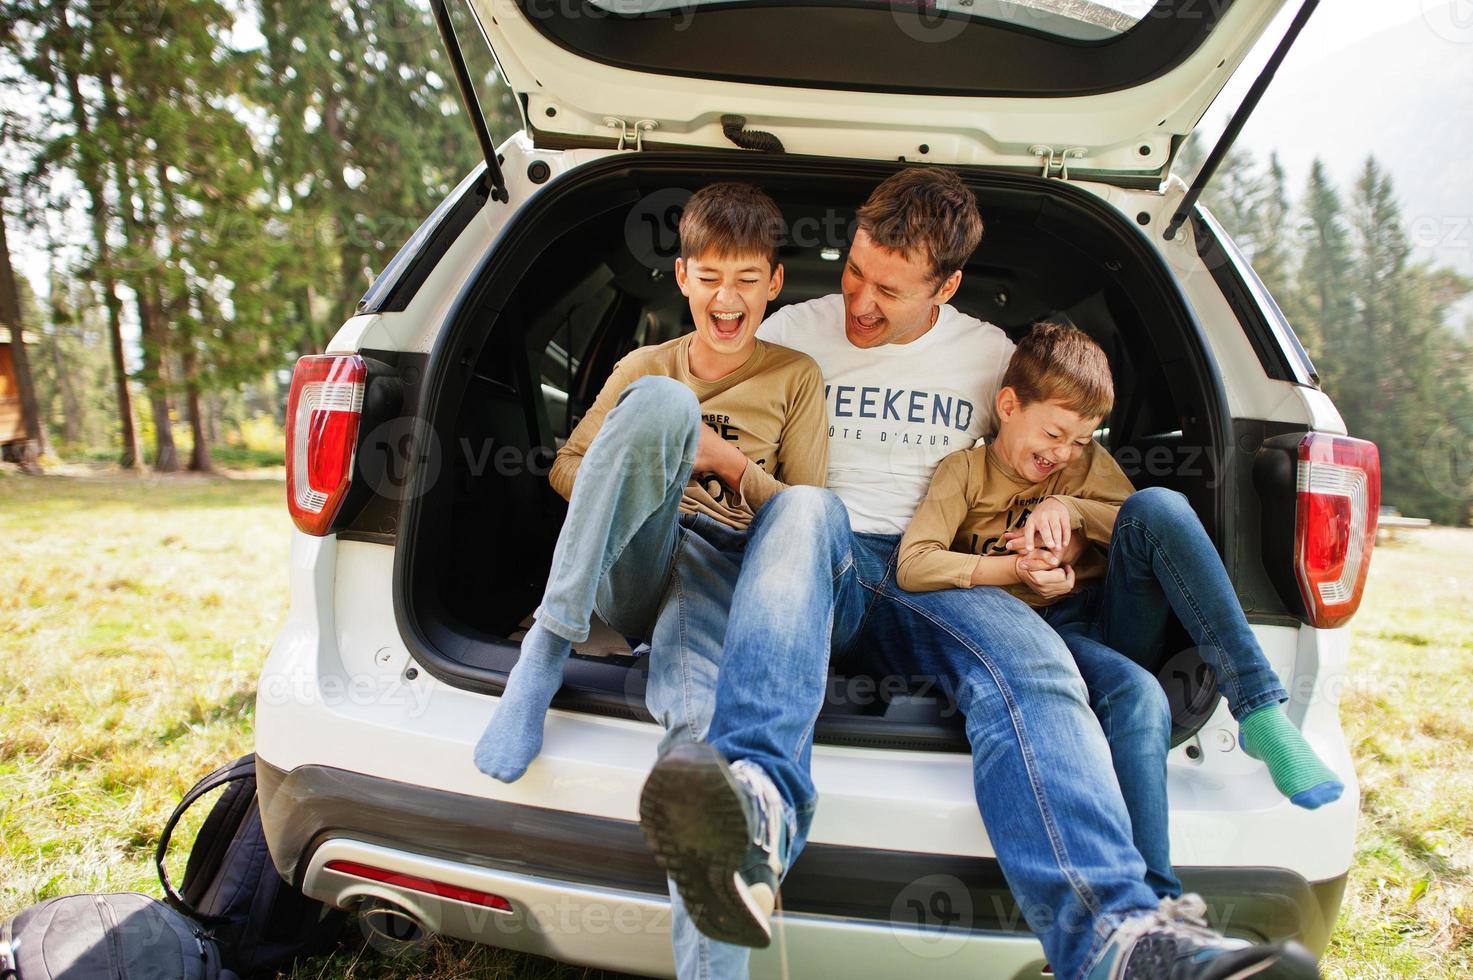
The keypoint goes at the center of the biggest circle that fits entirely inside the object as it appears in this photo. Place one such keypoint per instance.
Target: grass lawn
(135, 613)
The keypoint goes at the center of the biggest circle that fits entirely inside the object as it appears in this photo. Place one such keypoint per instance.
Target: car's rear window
(966, 48)
(1079, 20)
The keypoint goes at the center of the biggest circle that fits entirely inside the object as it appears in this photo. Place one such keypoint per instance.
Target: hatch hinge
(1056, 162)
(631, 136)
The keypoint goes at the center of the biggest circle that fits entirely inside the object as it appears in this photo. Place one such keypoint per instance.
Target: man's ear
(776, 285)
(949, 287)
(681, 277)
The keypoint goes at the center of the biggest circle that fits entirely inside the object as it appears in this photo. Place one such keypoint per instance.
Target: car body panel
(334, 692)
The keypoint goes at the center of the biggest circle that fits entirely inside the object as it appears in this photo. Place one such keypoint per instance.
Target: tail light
(425, 885)
(1338, 491)
(322, 416)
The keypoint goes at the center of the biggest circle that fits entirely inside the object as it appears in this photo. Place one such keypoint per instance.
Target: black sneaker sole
(691, 813)
(1293, 962)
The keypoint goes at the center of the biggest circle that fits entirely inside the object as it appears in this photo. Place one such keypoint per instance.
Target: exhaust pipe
(392, 923)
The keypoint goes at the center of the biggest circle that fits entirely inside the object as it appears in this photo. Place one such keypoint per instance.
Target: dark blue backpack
(261, 923)
(123, 934)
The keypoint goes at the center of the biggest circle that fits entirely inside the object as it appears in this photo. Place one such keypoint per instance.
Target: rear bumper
(884, 900)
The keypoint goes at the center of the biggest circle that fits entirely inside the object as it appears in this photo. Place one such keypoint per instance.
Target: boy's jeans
(657, 573)
(616, 549)
(1161, 560)
(1041, 766)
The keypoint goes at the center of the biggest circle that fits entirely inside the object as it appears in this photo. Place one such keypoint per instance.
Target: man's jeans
(1161, 561)
(1041, 766)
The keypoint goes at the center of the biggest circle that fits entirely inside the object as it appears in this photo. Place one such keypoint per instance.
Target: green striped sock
(1268, 734)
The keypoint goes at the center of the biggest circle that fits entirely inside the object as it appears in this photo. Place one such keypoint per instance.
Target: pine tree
(1324, 290)
(371, 136)
(55, 44)
(1393, 381)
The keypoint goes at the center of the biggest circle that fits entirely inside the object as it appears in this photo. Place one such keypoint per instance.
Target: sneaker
(722, 834)
(1174, 943)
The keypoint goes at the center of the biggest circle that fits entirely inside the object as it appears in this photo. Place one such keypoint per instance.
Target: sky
(1335, 24)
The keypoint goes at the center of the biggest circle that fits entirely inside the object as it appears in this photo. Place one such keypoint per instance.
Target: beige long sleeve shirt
(772, 407)
(975, 497)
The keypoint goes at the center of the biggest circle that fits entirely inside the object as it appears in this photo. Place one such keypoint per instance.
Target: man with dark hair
(909, 379)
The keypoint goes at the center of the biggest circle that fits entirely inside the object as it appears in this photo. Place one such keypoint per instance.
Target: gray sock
(514, 736)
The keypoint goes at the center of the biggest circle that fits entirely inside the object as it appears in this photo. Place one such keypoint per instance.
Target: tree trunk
(29, 452)
(72, 413)
(199, 458)
(212, 418)
(144, 282)
(90, 175)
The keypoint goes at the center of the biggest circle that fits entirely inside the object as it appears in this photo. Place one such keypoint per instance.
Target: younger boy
(1033, 512)
(706, 427)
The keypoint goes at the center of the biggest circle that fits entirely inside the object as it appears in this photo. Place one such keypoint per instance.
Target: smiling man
(908, 379)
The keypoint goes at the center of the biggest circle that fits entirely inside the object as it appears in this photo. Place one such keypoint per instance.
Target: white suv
(420, 442)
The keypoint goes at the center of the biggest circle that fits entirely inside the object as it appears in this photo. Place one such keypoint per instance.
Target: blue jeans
(649, 571)
(1136, 720)
(809, 587)
(1161, 561)
(617, 546)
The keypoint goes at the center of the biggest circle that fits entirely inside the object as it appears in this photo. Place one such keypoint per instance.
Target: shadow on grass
(239, 704)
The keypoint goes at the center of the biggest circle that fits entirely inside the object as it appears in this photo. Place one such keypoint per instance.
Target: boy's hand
(719, 456)
(1048, 525)
(1068, 555)
(1044, 579)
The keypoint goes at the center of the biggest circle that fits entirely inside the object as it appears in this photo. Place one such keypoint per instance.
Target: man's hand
(1044, 578)
(721, 457)
(1048, 525)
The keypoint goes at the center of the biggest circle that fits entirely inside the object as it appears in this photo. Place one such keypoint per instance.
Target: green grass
(135, 613)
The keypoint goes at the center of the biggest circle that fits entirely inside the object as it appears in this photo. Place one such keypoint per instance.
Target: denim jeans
(616, 550)
(649, 571)
(1161, 561)
(1136, 719)
(810, 588)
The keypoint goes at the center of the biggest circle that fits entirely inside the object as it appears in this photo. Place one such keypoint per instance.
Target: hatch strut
(472, 104)
(1235, 125)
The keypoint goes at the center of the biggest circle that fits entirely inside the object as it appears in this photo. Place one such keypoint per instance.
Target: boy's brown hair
(927, 210)
(728, 219)
(1057, 362)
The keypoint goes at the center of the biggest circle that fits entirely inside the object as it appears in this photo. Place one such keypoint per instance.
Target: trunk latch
(631, 136)
(1056, 162)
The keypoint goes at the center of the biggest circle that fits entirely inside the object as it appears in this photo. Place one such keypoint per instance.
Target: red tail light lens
(322, 416)
(418, 884)
(1339, 497)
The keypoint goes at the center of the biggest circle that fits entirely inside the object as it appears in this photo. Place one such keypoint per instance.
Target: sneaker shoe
(722, 834)
(1175, 943)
